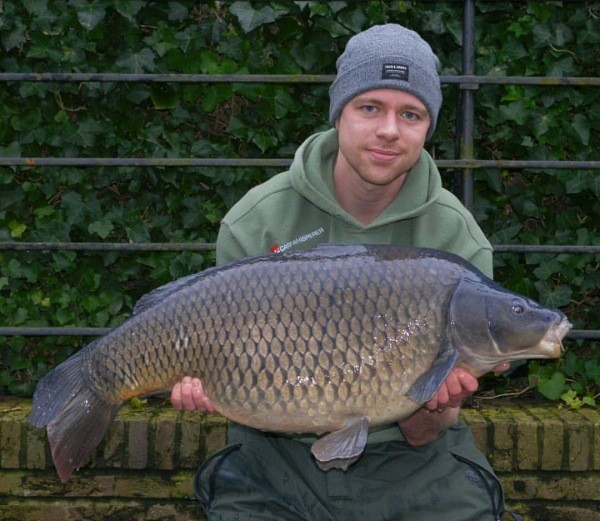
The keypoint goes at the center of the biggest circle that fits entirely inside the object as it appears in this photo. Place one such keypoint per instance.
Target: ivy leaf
(547, 269)
(90, 15)
(515, 111)
(284, 103)
(553, 297)
(307, 56)
(582, 126)
(17, 229)
(85, 133)
(215, 95)
(354, 19)
(101, 228)
(581, 181)
(553, 387)
(250, 18)
(163, 97)
(73, 205)
(128, 8)
(177, 11)
(137, 62)
(14, 38)
(505, 235)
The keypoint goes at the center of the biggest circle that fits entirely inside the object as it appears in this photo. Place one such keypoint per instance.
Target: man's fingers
(176, 396)
(453, 384)
(468, 382)
(502, 367)
(187, 397)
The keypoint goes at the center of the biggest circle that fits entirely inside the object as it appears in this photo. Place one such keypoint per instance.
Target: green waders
(270, 477)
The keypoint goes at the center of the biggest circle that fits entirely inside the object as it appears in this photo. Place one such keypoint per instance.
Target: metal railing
(468, 83)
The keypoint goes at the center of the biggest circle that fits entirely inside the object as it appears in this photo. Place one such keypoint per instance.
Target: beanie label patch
(394, 71)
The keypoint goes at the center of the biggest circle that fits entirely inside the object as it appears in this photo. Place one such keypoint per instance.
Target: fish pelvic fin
(339, 449)
(76, 418)
(430, 381)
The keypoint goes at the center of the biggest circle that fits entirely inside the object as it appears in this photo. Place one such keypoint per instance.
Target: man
(367, 180)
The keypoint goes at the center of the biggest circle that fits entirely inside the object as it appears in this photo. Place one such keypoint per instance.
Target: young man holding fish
(367, 180)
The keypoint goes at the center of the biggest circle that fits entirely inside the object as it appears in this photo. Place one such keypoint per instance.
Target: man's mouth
(382, 155)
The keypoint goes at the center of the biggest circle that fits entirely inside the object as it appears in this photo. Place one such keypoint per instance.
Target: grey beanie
(387, 57)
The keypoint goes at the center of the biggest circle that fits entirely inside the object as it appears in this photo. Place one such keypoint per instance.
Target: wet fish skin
(332, 339)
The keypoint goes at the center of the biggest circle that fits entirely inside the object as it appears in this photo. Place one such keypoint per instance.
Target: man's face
(381, 135)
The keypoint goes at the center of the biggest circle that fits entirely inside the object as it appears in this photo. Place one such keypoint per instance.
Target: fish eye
(517, 309)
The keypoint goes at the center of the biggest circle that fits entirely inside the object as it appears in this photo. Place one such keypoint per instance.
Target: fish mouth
(561, 331)
(552, 341)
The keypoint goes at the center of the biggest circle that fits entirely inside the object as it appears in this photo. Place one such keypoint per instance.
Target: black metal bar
(54, 331)
(547, 248)
(274, 162)
(106, 246)
(60, 77)
(517, 163)
(142, 161)
(467, 104)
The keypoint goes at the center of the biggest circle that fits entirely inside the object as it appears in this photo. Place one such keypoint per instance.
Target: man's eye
(369, 108)
(410, 115)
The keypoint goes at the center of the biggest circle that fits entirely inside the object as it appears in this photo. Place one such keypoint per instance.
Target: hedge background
(166, 204)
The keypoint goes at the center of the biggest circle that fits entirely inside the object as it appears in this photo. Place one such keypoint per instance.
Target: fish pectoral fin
(430, 381)
(339, 449)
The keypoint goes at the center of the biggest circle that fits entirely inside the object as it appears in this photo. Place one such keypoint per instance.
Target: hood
(311, 175)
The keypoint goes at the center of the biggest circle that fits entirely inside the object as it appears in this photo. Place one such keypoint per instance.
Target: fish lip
(563, 327)
(551, 345)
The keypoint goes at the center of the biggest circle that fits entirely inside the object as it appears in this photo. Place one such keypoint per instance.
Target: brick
(10, 444)
(502, 439)
(36, 449)
(552, 487)
(593, 416)
(527, 441)
(478, 426)
(164, 443)
(566, 440)
(191, 445)
(137, 445)
(579, 440)
(10, 483)
(552, 437)
(559, 511)
(82, 508)
(113, 445)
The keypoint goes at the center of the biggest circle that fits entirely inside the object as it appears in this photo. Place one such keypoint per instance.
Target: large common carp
(329, 340)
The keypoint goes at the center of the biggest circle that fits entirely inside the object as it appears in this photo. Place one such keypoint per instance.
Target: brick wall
(547, 458)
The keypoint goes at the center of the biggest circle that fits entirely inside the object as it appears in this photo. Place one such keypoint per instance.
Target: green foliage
(268, 120)
(573, 379)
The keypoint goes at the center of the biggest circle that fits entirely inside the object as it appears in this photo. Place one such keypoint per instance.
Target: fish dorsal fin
(163, 292)
(339, 449)
(430, 381)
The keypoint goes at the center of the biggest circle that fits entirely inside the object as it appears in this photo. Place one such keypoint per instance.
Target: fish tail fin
(76, 418)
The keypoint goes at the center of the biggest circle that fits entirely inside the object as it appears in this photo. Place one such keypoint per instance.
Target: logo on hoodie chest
(276, 248)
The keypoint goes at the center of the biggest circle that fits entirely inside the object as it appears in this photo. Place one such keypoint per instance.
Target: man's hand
(188, 395)
(458, 385)
(439, 413)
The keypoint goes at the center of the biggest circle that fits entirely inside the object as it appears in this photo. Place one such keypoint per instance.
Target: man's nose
(389, 127)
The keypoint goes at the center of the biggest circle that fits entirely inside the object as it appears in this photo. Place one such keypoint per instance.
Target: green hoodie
(297, 209)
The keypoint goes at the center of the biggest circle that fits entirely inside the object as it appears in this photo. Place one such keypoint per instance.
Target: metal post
(467, 97)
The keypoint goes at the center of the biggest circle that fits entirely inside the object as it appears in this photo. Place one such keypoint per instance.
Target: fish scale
(330, 340)
(309, 379)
